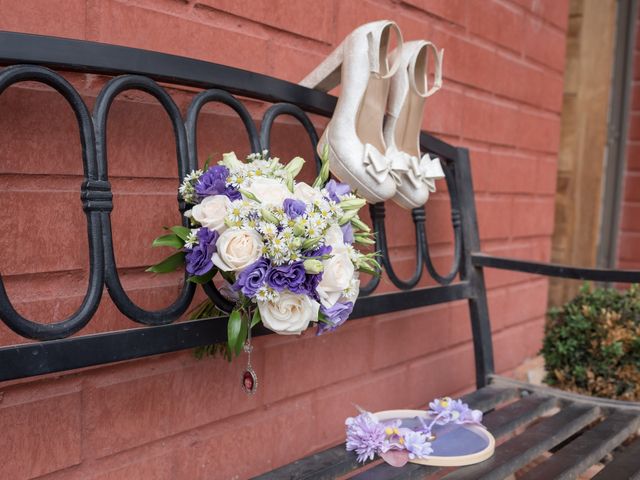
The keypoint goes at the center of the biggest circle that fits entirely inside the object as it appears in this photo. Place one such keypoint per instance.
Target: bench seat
(542, 432)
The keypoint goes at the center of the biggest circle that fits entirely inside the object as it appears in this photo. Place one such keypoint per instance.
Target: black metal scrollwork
(96, 198)
(112, 279)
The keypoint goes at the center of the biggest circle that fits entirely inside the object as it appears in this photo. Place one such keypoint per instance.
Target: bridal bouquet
(284, 248)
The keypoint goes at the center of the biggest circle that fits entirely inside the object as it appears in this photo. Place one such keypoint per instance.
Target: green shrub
(592, 344)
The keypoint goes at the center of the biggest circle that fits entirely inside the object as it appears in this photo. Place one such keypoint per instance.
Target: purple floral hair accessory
(335, 316)
(336, 189)
(294, 208)
(252, 278)
(365, 436)
(291, 277)
(198, 259)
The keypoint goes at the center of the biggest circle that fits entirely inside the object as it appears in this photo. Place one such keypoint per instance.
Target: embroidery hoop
(444, 461)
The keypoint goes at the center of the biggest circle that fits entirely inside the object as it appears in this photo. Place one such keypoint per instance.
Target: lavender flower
(365, 435)
(335, 315)
(294, 208)
(291, 277)
(252, 278)
(415, 443)
(198, 259)
(336, 189)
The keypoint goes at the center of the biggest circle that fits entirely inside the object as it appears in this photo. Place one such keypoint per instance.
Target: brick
(633, 157)
(502, 118)
(419, 332)
(38, 133)
(498, 23)
(498, 172)
(515, 344)
(125, 24)
(270, 438)
(552, 11)
(288, 360)
(540, 132)
(632, 187)
(442, 111)
(33, 16)
(455, 11)
(532, 217)
(634, 126)
(136, 405)
(630, 218)
(33, 416)
(292, 64)
(284, 15)
(544, 44)
(439, 375)
(160, 468)
(547, 176)
(521, 303)
(629, 246)
(493, 217)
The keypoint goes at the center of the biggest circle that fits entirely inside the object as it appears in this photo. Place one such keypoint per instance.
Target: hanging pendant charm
(249, 377)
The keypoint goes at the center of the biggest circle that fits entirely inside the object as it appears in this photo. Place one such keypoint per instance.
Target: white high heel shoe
(354, 134)
(409, 89)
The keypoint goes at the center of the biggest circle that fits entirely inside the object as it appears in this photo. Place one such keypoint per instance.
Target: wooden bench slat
(499, 422)
(520, 450)
(625, 465)
(587, 449)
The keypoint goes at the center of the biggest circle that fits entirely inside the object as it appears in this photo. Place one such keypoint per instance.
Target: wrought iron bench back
(32, 58)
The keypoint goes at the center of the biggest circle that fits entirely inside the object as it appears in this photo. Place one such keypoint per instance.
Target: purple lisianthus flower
(347, 233)
(311, 285)
(291, 277)
(336, 189)
(335, 315)
(318, 252)
(294, 208)
(213, 181)
(365, 435)
(252, 278)
(198, 259)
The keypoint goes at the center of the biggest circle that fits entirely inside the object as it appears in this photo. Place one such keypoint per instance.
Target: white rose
(211, 211)
(306, 193)
(334, 238)
(270, 192)
(290, 314)
(237, 249)
(336, 277)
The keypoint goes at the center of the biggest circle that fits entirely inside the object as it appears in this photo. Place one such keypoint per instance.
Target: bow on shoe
(380, 166)
(424, 170)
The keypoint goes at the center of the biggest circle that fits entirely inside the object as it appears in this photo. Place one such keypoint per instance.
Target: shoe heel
(326, 75)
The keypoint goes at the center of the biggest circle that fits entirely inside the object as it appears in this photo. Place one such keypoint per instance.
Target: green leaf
(180, 231)
(202, 279)
(169, 264)
(256, 318)
(168, 240)
(242, 337)
(206, 164)
(234, 325)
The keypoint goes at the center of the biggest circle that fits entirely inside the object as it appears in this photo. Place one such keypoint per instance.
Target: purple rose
(291, 277)
(252, 278)
(294, 208)
(336, 189)
(335, 316)
(213, 181)
(347, 233)
(198, 259)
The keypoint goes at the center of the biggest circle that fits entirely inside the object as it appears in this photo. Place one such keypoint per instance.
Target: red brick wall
(173, 416)
(629, 240)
